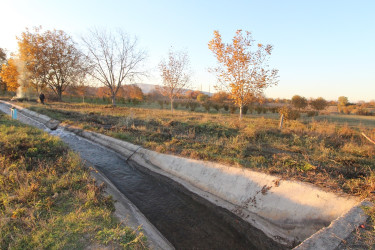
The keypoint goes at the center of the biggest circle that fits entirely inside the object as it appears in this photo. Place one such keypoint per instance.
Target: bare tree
(66, 64)
(175, 74)
(114, 57)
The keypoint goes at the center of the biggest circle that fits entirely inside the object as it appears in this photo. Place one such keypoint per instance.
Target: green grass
(48, 199)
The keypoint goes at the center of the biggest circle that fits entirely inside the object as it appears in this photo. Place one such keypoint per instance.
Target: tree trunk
(113, 100)
(59, 93)
(240, 112)
(172, 105)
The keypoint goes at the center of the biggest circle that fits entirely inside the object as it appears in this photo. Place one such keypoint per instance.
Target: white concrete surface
(286, 211)
(329, 238)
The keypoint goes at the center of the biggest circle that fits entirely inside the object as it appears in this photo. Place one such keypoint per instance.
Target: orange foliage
(220, 97)
(242, 70)
(192, 94)
(31, 51)
(103, 92)
(9, 75)
(131, 92)
(52, 59)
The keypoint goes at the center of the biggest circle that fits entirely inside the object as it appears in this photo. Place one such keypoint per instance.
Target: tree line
(52, 59)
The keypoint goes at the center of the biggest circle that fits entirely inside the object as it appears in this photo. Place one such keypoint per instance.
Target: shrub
(216, 106)
(312, 113)
(202, 98)
(319, 103)
(258, 109)
(193, 106)
(245, 109)
(207, 106)
(226, 107)
(289, 113)
(232, 109)
(175, 105)
(299, 102)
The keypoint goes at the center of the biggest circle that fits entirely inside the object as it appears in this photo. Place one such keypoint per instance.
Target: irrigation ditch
(192, 204)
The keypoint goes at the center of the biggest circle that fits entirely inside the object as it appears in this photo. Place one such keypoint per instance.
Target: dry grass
(48, 199)
(330, 155)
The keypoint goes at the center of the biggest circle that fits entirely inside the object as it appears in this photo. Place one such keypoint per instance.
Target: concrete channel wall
(286, 211)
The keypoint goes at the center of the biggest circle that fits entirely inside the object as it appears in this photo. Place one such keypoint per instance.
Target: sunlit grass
(48, 199)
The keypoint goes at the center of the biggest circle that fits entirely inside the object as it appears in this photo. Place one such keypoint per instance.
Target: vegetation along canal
(186, 221)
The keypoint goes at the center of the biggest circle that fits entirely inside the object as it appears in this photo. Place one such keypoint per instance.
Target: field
(327, 154)
(48, 199)
(328, 151)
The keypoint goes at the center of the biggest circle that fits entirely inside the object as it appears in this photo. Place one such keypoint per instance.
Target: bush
(258, 110)
(207, 106)
(232, 109)
(319, 103)
(289, 114)
(193, 106)
(362, 111)
(175, 105)
(216, 106)
(135, 101)
(312, 113)
(245, 109)
(273, 110)
(226, 107)
(299, 102)
(202, 98)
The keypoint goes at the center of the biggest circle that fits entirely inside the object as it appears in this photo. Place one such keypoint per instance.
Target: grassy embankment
(48, 199)
(332, 155)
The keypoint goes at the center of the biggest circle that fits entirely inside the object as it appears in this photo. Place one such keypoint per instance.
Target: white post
(281, 121)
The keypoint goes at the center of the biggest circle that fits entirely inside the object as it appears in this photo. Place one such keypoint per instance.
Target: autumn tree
(242, 67)
(115, 59)
(3, 60)
(202, 97)
(299, 102)
(103, 92)
(175, 73)
(31, 56)
(65, 65)
(220, 97)
(9, 75)
(319, 103)
(343, 101)
(133, 92)
(192, 94)
(52, 59)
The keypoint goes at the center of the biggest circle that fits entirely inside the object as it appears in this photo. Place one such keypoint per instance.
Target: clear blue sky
(321, 48)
